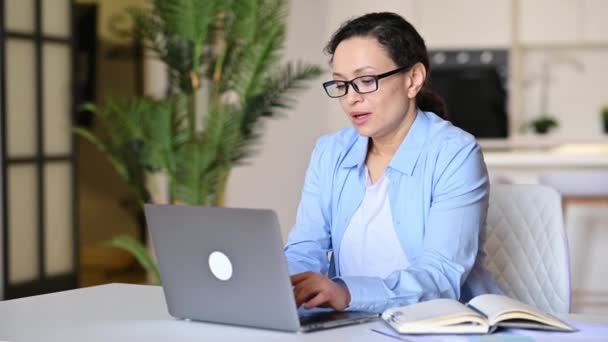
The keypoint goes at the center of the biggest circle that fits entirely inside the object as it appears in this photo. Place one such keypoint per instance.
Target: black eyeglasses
(362, 84)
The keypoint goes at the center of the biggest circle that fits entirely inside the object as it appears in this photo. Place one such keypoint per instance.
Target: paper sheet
(586, 332)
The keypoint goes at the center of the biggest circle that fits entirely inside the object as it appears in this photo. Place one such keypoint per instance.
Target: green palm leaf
(276, 96)
(256, 51)
(117, 164)
(140, 252)
(189, 19)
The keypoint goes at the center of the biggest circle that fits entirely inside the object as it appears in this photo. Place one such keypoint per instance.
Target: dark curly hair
(403, 43)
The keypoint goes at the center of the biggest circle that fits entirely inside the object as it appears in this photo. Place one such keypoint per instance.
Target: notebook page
(495, 306)
(429, 312)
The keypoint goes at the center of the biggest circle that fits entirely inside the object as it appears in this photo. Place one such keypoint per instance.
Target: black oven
(474, 85)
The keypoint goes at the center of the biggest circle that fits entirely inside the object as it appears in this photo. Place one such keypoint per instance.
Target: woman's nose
(352, 96)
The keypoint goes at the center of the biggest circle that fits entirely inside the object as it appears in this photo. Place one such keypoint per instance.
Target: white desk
(121, 312)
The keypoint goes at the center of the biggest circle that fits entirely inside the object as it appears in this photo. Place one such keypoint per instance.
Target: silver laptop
(226, 265)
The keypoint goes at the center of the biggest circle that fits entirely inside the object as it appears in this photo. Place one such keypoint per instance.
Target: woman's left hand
(313, 289)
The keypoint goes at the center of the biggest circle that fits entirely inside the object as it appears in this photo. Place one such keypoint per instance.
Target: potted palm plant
(544, 124)
(230, 51)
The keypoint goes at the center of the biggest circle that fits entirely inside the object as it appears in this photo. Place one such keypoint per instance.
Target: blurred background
(527, 78)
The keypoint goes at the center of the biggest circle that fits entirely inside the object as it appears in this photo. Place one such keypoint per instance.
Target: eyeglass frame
(350, 83)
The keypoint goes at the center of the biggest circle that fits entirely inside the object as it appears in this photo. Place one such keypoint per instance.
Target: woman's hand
(313, 289)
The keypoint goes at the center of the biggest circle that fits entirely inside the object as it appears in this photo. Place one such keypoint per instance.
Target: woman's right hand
(316, 290)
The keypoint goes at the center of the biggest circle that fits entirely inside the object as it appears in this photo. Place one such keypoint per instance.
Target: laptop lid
(223, 265)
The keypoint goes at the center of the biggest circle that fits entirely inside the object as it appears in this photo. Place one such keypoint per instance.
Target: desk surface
(121, 312)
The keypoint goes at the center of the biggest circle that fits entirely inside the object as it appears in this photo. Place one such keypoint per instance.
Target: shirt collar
(407, 154)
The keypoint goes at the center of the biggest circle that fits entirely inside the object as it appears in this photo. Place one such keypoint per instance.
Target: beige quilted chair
(525, 245)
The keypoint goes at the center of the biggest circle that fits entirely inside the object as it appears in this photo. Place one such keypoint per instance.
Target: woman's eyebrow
(357, 71)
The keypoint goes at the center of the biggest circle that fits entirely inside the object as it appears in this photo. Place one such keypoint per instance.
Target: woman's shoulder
(452, 151)
(339, 141)
(344, 147)
(442, 134)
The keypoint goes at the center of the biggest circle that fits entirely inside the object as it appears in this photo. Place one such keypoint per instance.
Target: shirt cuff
(366, 293)
(295, 268)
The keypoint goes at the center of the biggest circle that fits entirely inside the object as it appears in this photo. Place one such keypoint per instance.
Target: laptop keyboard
(317, 319)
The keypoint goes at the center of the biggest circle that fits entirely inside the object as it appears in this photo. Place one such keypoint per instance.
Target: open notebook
(482, 315)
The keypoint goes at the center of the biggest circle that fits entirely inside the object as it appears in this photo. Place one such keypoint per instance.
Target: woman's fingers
(304, 293)
(307, 286)
(302, 283)
(297, 278)
(313, 291)
(318, 300)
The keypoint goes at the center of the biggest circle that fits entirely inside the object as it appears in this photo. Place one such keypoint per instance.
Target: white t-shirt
(370, 246)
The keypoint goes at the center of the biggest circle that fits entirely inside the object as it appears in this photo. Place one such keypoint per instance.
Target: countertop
(539, 153)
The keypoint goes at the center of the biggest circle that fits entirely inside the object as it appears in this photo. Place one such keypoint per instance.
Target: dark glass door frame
(43, 283)
(3, 227)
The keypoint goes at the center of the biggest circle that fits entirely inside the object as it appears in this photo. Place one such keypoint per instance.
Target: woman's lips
(360, 118)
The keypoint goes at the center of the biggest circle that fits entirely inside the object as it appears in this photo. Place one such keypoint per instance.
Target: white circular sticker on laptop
(220, 265)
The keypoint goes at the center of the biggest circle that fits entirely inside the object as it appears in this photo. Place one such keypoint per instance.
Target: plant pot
(606, 126)
(541, 130)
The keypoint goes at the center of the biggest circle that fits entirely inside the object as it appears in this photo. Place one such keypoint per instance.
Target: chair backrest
(525, 245)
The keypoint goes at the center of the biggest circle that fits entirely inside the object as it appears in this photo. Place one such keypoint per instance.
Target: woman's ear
(417, 76)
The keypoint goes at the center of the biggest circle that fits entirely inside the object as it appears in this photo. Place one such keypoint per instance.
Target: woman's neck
(387, 144)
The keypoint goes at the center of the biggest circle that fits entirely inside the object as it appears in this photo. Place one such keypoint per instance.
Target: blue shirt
(439, 200)
(370, 246)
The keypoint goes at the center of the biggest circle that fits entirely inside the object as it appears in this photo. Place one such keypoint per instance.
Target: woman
(397, 200)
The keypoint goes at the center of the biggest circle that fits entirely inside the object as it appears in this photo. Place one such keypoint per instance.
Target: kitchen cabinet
(464, 23)
(549, 21)
(595, 20)
(562, 22)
